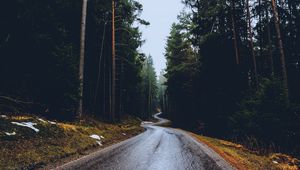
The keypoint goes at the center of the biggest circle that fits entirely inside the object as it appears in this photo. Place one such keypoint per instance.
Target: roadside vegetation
(52, 142)
(243, 159)
(59, 61)
(233, 72)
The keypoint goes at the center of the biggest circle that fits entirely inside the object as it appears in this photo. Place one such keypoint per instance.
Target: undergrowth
(28, 149)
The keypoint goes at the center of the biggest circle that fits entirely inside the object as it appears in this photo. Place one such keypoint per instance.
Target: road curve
(158, 148)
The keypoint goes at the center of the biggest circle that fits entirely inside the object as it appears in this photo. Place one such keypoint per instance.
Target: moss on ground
(244, 159)
(28, 149)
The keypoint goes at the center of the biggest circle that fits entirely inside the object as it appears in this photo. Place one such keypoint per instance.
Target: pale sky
(161, 14)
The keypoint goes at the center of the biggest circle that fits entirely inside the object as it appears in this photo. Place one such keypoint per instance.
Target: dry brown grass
(29, 149)
(244, 159)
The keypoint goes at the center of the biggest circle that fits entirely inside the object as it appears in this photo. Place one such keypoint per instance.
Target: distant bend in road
(158, 148)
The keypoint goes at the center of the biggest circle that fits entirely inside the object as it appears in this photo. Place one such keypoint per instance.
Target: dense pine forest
(58, 56)
(233, 72)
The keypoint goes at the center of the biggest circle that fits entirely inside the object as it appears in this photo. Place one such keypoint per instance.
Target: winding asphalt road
(158, 148)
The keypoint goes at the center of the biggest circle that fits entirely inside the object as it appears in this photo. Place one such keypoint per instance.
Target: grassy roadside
(244, 159)
(24, 148)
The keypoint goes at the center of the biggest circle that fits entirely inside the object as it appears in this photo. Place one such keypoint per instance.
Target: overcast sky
(161, 14)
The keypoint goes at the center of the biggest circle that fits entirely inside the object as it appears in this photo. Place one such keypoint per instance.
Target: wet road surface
(158, 148)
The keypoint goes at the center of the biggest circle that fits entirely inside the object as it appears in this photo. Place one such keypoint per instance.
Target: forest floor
(29, 142)
(244, 159)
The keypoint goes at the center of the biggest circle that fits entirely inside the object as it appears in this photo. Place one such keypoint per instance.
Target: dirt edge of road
(243, 159)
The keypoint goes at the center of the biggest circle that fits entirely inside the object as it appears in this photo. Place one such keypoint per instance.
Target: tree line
(65, 59)
(233, 71)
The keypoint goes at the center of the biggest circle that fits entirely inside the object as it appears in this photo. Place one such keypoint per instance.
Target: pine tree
(251, 44)
(82, 53)
(280, 45)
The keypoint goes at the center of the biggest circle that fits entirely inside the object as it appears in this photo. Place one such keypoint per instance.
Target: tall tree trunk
(121, 91)
(82, 53)
(234, 33)
(260, 29)
(104, 87)
(149, 89)
(271, 61)
(113, 73)
(280, 44)
(251, 43)
(99, 64)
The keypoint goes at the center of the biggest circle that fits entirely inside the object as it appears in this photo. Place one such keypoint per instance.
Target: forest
(233, 72)
(58, 54)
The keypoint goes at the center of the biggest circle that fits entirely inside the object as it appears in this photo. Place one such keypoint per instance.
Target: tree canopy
(233, 71)
(39, 58)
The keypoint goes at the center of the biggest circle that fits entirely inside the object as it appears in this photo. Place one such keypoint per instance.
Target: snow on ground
(99, 143)
(3, 116)
(42, 120)
(27, 124)
(48, 121)
(124, 134)
(53, 123)
(10, 134)
(98, 138)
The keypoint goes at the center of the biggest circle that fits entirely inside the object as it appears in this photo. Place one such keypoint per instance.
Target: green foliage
(39, 49)
(148, 89)
(209, 91)
(262, 108)
(267, 115)
(182, 67)
(39, 54)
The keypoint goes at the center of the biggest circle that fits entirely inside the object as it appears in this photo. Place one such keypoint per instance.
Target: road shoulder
(242, 158)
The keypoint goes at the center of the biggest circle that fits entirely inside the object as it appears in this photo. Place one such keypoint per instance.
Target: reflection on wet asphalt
(158, 148)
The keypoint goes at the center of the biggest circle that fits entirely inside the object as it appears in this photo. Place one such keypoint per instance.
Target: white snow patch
(124, 134)
(3, 116)
(53, 123)
(42, 120)
(10, 134)
(275, 162)
(48, 121)
(99, 143)
(27, 124)
(97, 137)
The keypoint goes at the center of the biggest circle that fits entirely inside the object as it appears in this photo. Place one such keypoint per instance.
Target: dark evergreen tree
(40, 47)
(245, 62)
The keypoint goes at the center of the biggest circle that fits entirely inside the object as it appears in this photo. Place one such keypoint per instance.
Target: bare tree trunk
(82, 53)
(260, 29)
(251, 44)
(271, 61)
(104, 87)
(99, 63)
(280, 44)
(234, 32)
(121, 102)
(109, 90)
(113, 81)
